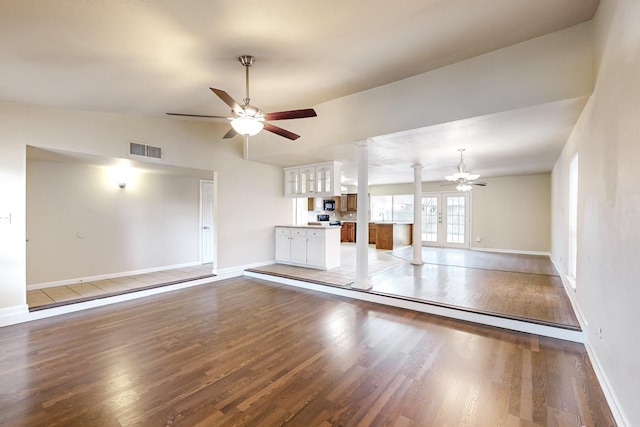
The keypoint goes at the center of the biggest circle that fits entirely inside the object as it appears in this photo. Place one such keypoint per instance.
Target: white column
(362, 219)
(417, 215)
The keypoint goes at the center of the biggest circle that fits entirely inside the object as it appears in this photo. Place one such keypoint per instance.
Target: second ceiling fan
(248, 120)
(463, 179)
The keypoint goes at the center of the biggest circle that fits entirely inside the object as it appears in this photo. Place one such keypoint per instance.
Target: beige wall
(607, 140)
(250, 195)
(511, 213)
(81, 224)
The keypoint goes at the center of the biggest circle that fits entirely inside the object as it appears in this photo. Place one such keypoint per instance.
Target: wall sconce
(123, 174)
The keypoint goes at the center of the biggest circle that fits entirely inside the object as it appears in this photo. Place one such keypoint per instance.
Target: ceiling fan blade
(291, 114)
(480, 183)
(196, 115)
(279, 131)
(232, 132)
(227, 99)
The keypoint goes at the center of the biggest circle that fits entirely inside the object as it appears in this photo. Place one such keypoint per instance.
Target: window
(573, 221)
(392, 208)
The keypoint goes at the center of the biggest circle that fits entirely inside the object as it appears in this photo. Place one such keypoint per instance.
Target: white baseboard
(511, 251)
(9, 313)
(612, 399)
(109, 276)
(605, 385)
(20, 314)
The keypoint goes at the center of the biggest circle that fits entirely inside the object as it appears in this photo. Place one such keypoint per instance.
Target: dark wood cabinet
(391, 236)
(372, 234)
(352, 202)
(348, 232)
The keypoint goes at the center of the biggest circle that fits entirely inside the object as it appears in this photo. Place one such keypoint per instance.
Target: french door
(445, 219)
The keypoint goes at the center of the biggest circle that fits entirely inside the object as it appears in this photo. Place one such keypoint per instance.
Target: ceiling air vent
(145, 150)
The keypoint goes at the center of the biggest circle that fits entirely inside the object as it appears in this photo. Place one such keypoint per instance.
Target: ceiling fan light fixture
(246, 126)
(463, 186)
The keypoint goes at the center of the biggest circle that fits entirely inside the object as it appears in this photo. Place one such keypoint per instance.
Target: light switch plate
(5, 218)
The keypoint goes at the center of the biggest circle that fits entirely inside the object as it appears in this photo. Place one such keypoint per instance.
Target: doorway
(445, 219)
(207, 247)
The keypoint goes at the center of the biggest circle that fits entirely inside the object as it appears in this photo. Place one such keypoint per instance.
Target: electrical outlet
(598, 331)
(478, 239)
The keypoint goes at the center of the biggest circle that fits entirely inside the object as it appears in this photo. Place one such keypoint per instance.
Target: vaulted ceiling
(505, 79)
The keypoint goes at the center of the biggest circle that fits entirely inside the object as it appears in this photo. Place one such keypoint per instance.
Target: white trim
(16, 310)
(485, 319)
(71, 308)
(511, 251)
(571, 293)
(238, 270)
(612, 399)
(109, 276)
(609, 394)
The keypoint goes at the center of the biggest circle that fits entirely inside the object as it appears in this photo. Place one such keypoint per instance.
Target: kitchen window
(392, 208)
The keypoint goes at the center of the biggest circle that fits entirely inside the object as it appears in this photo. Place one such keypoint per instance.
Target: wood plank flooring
(522, 287)
(248, 352)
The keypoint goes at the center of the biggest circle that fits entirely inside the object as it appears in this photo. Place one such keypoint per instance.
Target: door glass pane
(429, 219)
(455, 219)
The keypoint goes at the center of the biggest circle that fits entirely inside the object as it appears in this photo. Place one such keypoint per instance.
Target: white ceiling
(149, 57)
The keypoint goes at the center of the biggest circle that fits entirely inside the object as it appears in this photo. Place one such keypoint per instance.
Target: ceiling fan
(248, 120)
(462, 178)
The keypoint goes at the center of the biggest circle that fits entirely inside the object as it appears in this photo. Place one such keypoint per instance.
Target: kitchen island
(390, 235)
(309, 246)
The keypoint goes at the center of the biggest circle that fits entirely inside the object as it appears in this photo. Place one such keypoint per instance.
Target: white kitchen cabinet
(298, 246)
(283, 243)
(315, 180)
(313, 247)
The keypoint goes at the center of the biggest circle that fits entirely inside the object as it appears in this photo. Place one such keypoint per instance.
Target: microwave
(329, 205)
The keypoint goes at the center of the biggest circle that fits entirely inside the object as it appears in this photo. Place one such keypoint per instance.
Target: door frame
(214, 243)
(442, 223)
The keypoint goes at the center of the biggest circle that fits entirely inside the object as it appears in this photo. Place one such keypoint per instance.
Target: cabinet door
(291, 182)
(299, 246)
(315, 248)
(352, 202)
(308, 180)
(283, 244)
(324, 179)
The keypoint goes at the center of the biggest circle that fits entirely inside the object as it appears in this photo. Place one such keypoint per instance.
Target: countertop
(310, 226)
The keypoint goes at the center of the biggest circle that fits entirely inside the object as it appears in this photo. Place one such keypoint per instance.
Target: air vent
(155, 152)
(145, 150)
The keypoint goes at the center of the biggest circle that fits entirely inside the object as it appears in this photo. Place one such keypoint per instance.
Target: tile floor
(83, 291)
(344, 275)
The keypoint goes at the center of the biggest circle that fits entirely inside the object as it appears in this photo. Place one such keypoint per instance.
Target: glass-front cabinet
(315, 180)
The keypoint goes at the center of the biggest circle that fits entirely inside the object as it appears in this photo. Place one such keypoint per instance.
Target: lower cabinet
(348, 233)
(314, 247)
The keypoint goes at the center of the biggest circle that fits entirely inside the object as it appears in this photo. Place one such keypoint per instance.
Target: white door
(445, 219)
(207, 252)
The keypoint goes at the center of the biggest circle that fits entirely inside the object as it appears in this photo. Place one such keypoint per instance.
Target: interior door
(445, 219)
(207, 254)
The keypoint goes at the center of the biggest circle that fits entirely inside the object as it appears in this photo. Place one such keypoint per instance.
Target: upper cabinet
(316, 180)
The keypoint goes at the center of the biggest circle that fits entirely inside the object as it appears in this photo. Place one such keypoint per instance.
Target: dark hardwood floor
(248, 352)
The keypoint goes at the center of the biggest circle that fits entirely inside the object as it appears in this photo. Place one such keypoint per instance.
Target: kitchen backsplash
(333, 215)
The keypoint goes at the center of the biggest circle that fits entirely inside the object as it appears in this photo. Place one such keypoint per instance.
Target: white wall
(81, 224)
(250, 195)
(607, 139)
(511, 213)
